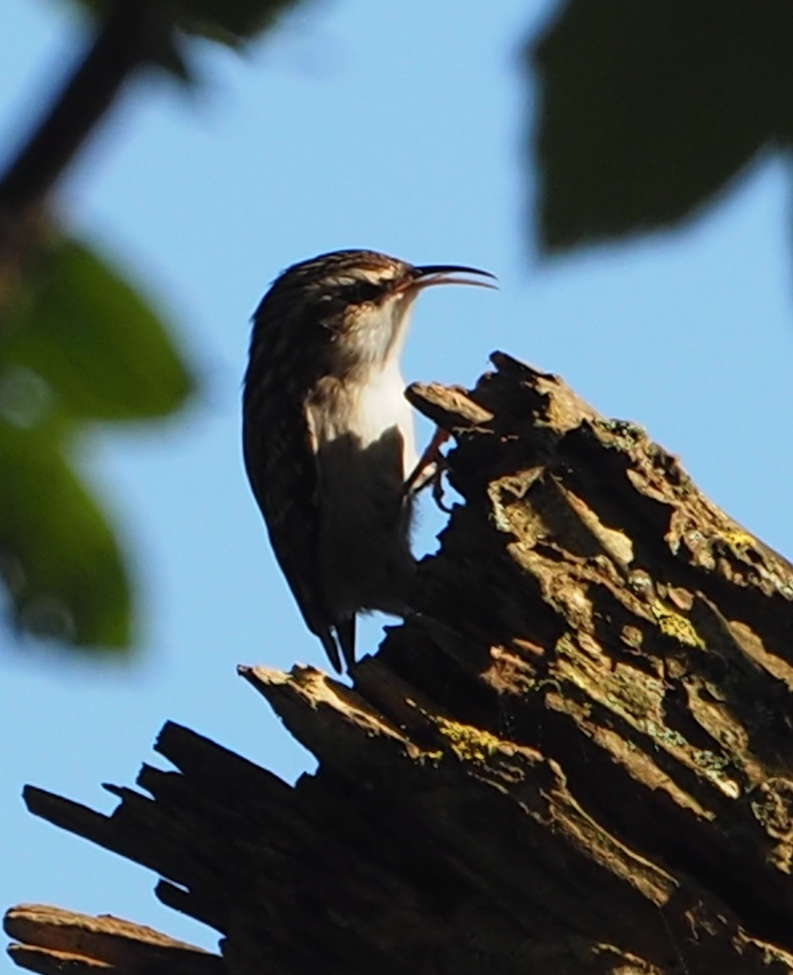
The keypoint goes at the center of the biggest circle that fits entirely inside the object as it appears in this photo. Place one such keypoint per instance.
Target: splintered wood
(574, 757)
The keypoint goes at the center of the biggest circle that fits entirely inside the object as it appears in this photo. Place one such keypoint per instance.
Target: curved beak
(431, 274)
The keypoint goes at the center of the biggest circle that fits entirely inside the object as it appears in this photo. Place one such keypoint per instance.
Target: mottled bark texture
(575, 758)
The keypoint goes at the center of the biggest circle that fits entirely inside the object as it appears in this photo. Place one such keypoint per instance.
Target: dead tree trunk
(575, 758)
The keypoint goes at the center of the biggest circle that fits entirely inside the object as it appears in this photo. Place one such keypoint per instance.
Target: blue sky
(397, 127)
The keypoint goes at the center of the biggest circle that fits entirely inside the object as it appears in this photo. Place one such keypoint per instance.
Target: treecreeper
(328, 436)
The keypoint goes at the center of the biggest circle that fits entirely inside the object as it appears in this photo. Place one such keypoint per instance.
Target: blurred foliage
(61, 564)
(78, 344)
(229, 21)
(92, 338)
(648, 109)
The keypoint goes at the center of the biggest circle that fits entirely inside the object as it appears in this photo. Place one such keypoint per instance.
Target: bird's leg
(429, 470)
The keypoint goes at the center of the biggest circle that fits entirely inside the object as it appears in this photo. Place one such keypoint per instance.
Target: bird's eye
(358, 292)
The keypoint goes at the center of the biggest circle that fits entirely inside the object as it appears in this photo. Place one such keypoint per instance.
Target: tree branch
(128, 37)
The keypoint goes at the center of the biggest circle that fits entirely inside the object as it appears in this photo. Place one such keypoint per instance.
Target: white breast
(361, 402)
(381, 405)
(362, 427)
(364, 456)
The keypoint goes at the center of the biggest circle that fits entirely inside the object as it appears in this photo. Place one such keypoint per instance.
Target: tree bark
(574, 757)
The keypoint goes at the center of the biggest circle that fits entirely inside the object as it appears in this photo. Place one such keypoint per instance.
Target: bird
(328, 435)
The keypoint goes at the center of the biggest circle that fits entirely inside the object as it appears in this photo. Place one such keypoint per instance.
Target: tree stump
(575, 757)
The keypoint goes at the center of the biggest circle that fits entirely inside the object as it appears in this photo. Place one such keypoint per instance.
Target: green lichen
(625, 434)
(667, 737)
(737, 537)
(430, 757)
(468, 743)
(710, 762)
(674, 625)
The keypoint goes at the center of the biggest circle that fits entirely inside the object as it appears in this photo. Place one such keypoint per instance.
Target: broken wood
(55, 941)
(576, 756)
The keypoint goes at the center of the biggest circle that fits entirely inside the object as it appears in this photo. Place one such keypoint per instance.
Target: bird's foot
(429, 470)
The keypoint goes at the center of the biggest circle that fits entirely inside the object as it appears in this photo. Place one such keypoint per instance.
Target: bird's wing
(282, 468)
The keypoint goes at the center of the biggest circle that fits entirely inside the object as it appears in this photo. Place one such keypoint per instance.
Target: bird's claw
(429, 471)
(437, 485)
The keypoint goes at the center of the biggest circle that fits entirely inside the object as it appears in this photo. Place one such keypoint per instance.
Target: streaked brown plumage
(328, 435)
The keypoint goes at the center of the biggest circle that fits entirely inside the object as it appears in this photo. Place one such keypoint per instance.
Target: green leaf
(59, 560)
(649, 108)
(99, 345)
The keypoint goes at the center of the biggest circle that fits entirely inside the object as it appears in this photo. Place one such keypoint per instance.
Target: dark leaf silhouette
(648, 110)
(229, 21)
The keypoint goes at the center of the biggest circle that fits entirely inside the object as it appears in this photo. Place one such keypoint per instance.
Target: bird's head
(357, 301)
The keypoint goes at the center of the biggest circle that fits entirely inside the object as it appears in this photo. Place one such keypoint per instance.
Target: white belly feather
(382, 405)
(363, 461)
